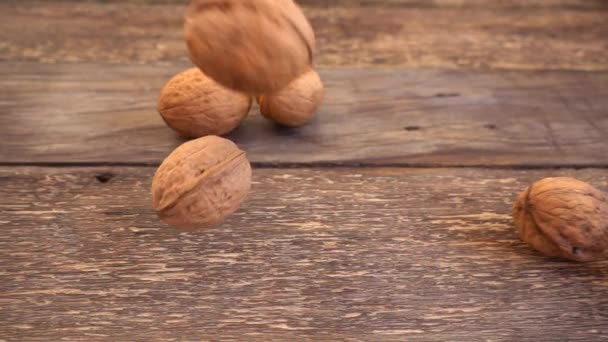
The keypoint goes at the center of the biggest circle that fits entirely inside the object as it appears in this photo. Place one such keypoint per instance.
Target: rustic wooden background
(386, 219)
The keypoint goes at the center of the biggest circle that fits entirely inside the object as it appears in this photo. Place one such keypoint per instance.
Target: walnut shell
(297, 103)
(255, 46)
(563, 217)
(194, 105)
(200, 183)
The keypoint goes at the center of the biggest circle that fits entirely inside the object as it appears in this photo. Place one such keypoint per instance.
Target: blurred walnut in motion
(254, 46)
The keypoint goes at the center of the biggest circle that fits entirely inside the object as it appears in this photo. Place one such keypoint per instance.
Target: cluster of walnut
(241, 49)
(563, 217)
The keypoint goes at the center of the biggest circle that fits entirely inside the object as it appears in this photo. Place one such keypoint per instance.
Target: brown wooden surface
(317, 252)
(107, 113)
(374, 254)
(519, 34)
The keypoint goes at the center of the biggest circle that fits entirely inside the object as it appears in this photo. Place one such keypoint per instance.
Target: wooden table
(387, 219)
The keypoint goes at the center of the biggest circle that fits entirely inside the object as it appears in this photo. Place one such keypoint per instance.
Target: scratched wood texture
(317, 252)
(558, 4)
(106, 114)
(520, 34)
(322, 254)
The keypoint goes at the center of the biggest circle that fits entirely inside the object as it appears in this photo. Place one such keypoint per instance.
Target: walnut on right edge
(563, 217)
(296, 104)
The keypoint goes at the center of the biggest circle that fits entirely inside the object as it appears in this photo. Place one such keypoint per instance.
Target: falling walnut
(200, 183)
(564, 217)
(252, 46)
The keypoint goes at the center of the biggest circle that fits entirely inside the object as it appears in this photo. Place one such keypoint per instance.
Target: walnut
(563, 217)
(296, 104)
(255, 46)
(200, 183)
(194, 105)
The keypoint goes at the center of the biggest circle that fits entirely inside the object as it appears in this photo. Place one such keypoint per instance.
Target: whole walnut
(563, 217)
(200, 183)
(194, 105)
(297, 103)
(255, 46)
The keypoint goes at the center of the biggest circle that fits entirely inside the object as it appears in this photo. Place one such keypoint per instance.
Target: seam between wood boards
(317, 165)
(321, 67)
(360, 3)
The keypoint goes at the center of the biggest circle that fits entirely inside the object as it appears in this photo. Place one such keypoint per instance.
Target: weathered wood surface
(370, 254)
(326, 254)
(454, 34)
(556, 4)
(106, 113)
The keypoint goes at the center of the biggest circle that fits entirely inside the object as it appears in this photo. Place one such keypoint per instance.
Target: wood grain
(556, 4)
(314, 254)
(519, 34)
(99, 113)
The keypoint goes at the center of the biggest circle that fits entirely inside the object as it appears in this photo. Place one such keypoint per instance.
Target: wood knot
(105, 177)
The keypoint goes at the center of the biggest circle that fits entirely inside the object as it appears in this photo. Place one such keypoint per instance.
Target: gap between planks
(326, 165)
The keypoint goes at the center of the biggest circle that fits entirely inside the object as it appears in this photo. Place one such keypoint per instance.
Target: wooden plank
(472, 34)
(496, 4)
(319, 254)
(99, 113)
(557, 4)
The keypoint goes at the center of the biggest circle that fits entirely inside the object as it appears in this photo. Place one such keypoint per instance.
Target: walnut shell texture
(255, 46)
(296, 104)
(200, 183)
(563, 217)
(195, 106)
